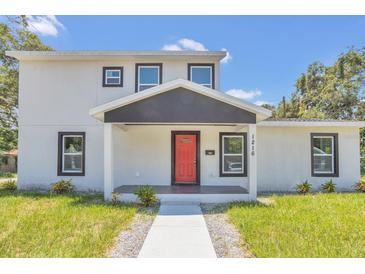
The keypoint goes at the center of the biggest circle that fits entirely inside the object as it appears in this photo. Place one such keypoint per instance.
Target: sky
(266, 53)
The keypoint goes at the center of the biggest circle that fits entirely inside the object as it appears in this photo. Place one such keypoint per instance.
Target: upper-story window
(148, 76)
(202, 74)
(112, 76)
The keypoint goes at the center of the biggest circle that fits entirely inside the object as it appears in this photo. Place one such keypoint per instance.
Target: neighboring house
(114, 120)
(8, 161)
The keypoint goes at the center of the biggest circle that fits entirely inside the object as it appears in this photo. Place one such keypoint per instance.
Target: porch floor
(186, 189)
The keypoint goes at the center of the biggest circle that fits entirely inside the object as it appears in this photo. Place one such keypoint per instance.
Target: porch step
(172, 202)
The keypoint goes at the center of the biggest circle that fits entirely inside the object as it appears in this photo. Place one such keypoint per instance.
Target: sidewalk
(179, 231)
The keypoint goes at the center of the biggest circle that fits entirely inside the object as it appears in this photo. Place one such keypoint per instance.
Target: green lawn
(43, 225)
(319, 225)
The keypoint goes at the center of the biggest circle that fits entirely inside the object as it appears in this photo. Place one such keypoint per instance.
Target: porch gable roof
(230, 101)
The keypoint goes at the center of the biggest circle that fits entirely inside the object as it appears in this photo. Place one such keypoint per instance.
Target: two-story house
(114, 120)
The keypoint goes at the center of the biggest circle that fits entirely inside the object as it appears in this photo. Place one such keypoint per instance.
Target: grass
(319, 225)
(44, 225)
(7, 175)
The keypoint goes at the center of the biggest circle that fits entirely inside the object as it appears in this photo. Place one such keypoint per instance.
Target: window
(233, 155)
(202, 74)
(112, 76)
(71, 153)
(324, 154)
(148, 76)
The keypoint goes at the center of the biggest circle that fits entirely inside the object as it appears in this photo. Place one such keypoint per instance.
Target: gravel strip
(129, 242)
(225, 237)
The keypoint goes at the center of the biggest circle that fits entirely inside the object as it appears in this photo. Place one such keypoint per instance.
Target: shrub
(62, 186)
(8, 185)
(7, 175)
(115, 198)
(360, 185)
(147, 195)
(329, 186)
(304, 187)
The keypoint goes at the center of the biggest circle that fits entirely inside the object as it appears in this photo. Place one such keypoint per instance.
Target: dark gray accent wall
(179, 105)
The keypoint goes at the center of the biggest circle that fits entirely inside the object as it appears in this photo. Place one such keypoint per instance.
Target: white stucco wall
(57, 96)
(284, 157)
(143, 155)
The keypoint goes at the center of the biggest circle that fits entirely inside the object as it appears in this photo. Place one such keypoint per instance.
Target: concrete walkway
(179, 231)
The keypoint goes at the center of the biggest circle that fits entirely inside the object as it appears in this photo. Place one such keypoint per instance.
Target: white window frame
(332, 154)
(106, 77)
(209, 85)
(233, 154)
(71, 153)
(149, 84)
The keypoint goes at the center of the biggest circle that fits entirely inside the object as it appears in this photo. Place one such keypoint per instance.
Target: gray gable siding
(179, 105)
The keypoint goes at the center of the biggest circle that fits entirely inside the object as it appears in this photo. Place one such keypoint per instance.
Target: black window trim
(336, 155)
(146, 65)
(245, 147)
(60, 154)
(202, 65)
(112, 85)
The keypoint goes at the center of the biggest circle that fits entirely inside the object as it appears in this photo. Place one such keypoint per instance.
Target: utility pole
(284, 106)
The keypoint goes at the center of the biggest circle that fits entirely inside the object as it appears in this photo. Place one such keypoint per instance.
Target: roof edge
(100, 54)
(324, 123)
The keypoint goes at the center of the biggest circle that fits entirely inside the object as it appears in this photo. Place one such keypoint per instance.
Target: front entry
(185, 164)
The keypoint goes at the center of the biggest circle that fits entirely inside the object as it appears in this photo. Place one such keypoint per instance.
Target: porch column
(108, 161)
(252, 162)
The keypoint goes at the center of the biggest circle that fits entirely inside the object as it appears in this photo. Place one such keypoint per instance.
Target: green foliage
(7, 175)
(329, 186)
(360, 185)
(147, 195)
(14, 35)
(304, 187)
(8, 185)
(62, 187)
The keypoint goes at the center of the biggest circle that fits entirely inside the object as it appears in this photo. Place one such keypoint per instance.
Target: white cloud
(243, 94)
(171, 47)
(260, 103)
(46, 25)
(185, 44)
(227, 58)
(191, 44)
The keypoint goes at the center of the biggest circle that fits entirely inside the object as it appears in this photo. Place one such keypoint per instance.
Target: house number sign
(253, 145)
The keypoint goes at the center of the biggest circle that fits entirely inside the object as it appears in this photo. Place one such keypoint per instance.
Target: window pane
(232, 164)
(146, 87)
(113, 73)
(73, 144)
(323, 164)
(322, 145)
(73, 163)
(200, 75)
(148, 75)
(113, 80)
(232, 145)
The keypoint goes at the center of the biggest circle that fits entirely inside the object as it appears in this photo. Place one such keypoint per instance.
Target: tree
(334, 92)
(14, 35)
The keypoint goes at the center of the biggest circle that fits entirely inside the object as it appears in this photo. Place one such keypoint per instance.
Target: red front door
(185, 158)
